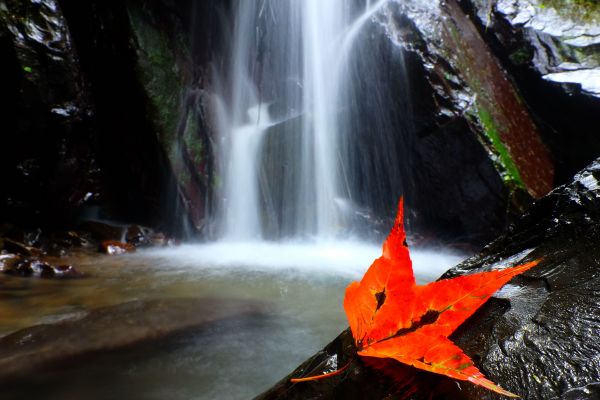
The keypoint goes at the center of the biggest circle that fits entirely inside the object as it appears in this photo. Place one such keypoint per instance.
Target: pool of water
(299, 287)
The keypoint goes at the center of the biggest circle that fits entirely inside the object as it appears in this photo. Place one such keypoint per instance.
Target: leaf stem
(323, 376)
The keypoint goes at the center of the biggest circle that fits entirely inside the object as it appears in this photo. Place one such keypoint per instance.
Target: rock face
(562, 37)
(104, 108)
(536, 337)
(49, 162)
(135, 58)
(550, 48)
(543, 344)
(176, 81)
(495, 64)
(465, 71)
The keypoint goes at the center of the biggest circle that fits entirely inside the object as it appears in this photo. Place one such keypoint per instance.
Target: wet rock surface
(42, 253)
(536, 337)
(111, 328)
(528, 41)
(26, 267)
(75, 149)
(113, 247)
(12, 246)
(550, 49)
(365, 378)
(469, 83)
(21, 260)
(562, 37)
(49, 164)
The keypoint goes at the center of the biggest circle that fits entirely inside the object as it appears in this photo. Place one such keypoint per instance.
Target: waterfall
(285, 127)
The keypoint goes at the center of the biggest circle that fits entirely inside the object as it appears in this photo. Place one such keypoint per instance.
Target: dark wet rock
(12, 246)
(59, 244)
(43, 269)
(558, 39)
(587, 392)
(22, 268)
(146, 51)
(68, 239)
(548, 330)
(111, 328)
(436, 142)
(174, 84)
(26, 267)
(551, 50)
(63, 62)
(470, 83)
(27, 236)
(536, 337)
(101, 231)
(538, 44)
(518, 42)
(138, 236)
(159, 239)
(113, 247)
(50, 171)
(365, 378)
(8, 262)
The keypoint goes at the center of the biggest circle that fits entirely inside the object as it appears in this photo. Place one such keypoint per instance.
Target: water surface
(299, 287)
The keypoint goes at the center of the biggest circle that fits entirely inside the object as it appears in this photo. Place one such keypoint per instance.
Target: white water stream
(292, 55)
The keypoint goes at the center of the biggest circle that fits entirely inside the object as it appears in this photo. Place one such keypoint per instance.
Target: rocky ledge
(537, 337)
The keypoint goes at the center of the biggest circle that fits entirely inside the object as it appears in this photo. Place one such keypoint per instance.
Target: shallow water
(300, 289)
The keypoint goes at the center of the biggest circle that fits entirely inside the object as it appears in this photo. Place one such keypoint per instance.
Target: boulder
(60, 243)
(471, 84)
(17, 265)
(102, 231)
(558, 39)
(536, 337)
(137, 235)
(13, 246)
(532, 50)
(551, 50)
(8, 262)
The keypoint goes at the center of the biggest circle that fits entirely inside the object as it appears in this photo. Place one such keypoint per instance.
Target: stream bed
(295, 291)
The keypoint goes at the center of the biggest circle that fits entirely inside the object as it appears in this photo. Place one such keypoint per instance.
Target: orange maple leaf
(392, 317)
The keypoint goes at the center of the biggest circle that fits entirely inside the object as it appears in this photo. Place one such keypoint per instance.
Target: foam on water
(348, 259)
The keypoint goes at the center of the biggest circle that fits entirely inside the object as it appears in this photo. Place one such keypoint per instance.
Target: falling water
(242, 216)
(284, 119)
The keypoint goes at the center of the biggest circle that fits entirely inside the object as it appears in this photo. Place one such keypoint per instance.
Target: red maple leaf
(392, 317)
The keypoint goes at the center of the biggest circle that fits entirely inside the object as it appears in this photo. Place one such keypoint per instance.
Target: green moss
(511, 173)
(583, 10)
(217, 181)
(521, 56)
(193, 144)
(184, 178)
(158, 72)
(587, 54)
